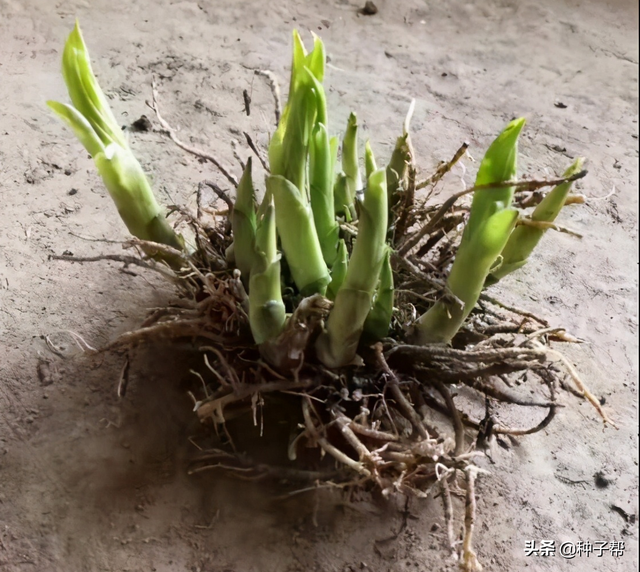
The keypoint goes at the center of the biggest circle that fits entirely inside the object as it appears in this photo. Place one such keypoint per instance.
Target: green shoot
(526, 237)
(93, 122)
(491, 222)
(337, 346)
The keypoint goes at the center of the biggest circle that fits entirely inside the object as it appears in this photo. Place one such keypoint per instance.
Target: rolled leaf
(84, 91)
(342, 202)
(316, 60)
(369, 160)
(485, 236)
(376, 326)
(468, 273)
(292, 162)
(500, 163)
(321, 193)
(338, 271)
(525, 238)
(338, 344)
(350, 160)
(298, 61)
(276, 151)
(125, 180)
(95, 126)
(81, 127)
(298, 237)
(321, 177)
(289, 145)
(334, 144)
(266, 309)
(243, 224)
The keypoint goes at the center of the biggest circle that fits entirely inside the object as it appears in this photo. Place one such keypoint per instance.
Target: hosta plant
(344, 291)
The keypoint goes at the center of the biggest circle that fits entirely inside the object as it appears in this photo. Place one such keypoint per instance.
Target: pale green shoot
(93, 122)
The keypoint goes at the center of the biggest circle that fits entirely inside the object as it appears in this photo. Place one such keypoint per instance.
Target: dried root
(371, 426)
(469, 561)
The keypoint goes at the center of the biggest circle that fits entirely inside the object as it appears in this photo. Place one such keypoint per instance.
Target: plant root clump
(399, 418)
(406, 419)
(390, 423)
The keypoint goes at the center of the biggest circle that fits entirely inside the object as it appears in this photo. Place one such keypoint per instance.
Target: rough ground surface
(89, 482)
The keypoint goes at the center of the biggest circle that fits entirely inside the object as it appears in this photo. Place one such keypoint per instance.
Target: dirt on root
(89, 481)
